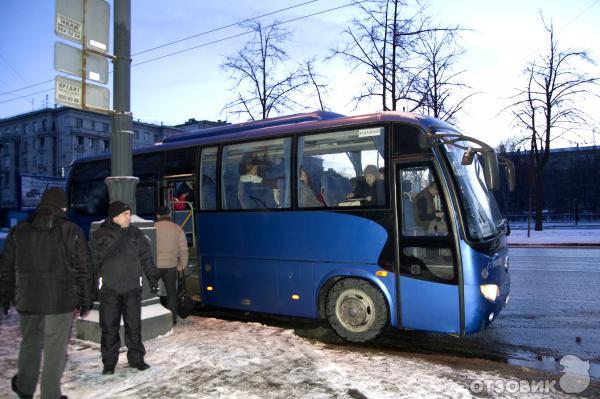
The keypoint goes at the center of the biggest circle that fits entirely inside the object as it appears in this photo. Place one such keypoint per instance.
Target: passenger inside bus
(252, 193)
(428, 213)
(370, 188)
(306, 193)
(185, 193)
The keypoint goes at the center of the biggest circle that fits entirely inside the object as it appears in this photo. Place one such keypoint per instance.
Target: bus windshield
(483, 217)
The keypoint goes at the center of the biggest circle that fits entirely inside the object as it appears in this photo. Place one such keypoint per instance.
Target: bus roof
(253, 125)
(281, 126)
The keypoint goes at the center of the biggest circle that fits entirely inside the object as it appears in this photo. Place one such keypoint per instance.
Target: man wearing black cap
(120, 253)
(50, 279)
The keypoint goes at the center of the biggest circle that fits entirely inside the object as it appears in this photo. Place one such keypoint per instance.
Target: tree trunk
(539, 197)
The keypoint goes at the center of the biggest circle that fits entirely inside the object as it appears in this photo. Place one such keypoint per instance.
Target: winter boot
(20, 394)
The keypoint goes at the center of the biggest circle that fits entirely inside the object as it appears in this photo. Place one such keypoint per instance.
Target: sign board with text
(32, 188)
(69, 22)
(69, 92)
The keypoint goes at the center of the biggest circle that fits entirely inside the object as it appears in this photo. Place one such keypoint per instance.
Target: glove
(5, 308)
(154, 287)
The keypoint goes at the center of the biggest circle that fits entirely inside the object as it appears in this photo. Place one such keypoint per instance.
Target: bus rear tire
(356, 310)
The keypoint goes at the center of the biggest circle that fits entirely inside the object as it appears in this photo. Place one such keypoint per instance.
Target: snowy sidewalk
(211, 358)
(556, 237)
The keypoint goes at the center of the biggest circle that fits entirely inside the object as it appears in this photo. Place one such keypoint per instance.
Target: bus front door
(428, 280)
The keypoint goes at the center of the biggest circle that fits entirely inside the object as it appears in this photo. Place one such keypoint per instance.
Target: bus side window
(256, 175)
(208, 179)
(349, 165)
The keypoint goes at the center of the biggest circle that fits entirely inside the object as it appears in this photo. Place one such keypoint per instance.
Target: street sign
(69, 22)
(68, 59)
(69, 92)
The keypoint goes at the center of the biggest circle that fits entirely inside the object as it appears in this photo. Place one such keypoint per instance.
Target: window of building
(41, 143)
(345, 168)
(208, 179)
(25, 128)
(44, 125)
(136, 134)
(35, 126)
(78, 122)
(105, 127)
(146, 136)
(256, 175)
(90, 142)
(92, 125)
(105, 146)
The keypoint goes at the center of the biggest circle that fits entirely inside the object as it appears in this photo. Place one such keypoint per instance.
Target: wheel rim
(355, 310)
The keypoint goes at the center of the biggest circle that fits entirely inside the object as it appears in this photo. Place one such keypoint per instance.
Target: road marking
(554, 270)
(554, 299)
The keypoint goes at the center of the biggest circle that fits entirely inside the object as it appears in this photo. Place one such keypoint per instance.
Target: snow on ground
(212, 358)
(555, 237)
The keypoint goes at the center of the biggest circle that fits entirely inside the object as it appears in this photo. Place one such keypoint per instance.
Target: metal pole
(122, 184)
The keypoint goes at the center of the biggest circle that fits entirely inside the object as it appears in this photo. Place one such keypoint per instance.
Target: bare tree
(439, 90)
(314, 79)
(555, 88)
(384, 42)
(263, 82)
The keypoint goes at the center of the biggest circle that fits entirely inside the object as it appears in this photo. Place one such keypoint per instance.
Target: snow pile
(211, 358)
(555, 237)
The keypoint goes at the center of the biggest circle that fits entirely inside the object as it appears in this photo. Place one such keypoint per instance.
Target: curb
(556, 245)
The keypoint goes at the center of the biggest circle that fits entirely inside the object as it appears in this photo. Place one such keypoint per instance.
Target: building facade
(192, 125)
(571, 190)
(44, 143)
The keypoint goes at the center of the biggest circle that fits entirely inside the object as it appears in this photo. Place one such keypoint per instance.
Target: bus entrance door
(428, 283)
(178, 196)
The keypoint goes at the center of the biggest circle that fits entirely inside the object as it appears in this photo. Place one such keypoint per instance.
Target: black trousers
(113, 305)
(169, 278)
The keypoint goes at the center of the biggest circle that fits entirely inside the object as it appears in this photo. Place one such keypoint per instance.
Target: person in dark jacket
(427, 214)
(120, 252)
(370, 189)
(45, 270)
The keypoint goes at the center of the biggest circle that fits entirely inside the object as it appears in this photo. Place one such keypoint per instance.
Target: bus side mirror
(491, 170)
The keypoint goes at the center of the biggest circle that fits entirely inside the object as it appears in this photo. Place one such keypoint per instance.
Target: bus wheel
(356, 310)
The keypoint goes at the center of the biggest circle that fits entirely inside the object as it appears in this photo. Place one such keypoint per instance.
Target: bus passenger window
(345, 168)
(423, 212)
(208, 179)
(256, 175)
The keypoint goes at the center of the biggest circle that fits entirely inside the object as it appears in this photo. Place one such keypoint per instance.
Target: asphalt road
(554, 307)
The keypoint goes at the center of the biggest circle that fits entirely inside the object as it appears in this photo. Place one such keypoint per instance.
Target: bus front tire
(356, 310)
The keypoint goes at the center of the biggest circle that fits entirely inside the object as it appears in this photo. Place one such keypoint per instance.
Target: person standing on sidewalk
(45, 271)
(120, 252)
(171, 255)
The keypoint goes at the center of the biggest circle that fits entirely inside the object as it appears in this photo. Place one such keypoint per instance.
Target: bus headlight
(490, 291)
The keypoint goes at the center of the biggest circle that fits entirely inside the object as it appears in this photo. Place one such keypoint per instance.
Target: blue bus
(369, 222)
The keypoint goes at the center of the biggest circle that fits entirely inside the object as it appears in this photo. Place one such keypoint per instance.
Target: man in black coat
(45, 270)
(120, 253)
